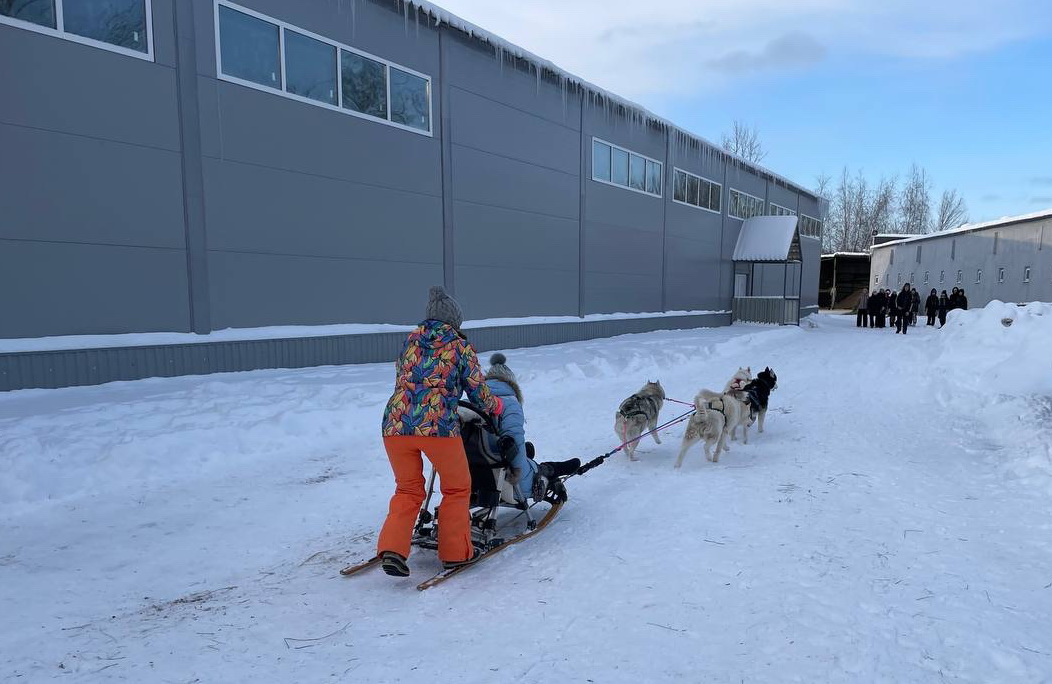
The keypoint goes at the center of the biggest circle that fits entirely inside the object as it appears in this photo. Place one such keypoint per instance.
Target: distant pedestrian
(862, 317)
(955, 298)
(903, 302)
(963, 301)
(914, 306)
(944, 306)
(893, 310)
(931, 306)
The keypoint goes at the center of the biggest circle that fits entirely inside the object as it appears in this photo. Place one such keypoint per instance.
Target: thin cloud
(683, 47)
(785, 52)
(1041, 180)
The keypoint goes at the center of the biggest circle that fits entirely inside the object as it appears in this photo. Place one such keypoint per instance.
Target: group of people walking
(900, 309)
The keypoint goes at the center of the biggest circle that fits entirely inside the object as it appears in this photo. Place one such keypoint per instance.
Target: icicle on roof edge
(442, 16)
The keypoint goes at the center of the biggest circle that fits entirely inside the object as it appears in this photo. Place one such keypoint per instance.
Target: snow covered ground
(892, 524)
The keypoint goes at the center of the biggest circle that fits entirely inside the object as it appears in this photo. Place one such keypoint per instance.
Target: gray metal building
(1005, 260)
(197, 165)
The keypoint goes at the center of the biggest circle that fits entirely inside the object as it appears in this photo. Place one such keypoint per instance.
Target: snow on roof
(847, 254)
(765, 238)
(972, 227)
(442, 16)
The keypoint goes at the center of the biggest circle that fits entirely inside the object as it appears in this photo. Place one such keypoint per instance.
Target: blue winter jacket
(513, 423)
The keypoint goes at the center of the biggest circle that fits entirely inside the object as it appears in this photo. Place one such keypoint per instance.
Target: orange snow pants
(447, 456)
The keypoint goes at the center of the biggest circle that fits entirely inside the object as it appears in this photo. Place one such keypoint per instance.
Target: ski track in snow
(891, 524)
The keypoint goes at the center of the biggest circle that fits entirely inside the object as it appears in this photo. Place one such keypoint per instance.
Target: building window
(779, 210)
(891, 257)
(925, 277)
(876, 279)
(809, 226)
(913, 278)
(696, 191)
(978, 276)
(744, 205)
(1026, 274)
(618, 166)
(898, 279)
(124, 26)
(953, 249)
(942, 277)
(311, 68)
(960, 277)
(918, 253)
(264, 53)
(1001, 274)
(364, 84)
(997, 238)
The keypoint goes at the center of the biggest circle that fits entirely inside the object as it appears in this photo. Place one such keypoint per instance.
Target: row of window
(779, 210)
(1001, 276)
(696, 191)
(744, 205)
(122, 24)
(618, 166)
(259, 51)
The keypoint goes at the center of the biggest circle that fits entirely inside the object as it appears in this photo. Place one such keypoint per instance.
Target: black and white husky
(637, 412)
(755, 395)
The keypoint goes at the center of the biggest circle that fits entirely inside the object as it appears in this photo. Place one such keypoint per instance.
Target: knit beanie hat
(442, 307)
(499, 371)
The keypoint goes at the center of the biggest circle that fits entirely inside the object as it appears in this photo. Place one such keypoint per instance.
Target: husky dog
(637, 412)
(755, 396)
(740, 378)
(714, 412)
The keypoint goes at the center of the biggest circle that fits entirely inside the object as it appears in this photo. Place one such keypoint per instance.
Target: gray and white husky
(637, 412)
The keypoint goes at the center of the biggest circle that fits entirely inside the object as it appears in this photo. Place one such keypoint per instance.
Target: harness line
(600, 459)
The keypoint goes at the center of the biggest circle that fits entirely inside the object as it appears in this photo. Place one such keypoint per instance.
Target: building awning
(768, 238)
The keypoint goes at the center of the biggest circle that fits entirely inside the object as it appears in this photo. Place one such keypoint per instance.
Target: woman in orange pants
(436, 366)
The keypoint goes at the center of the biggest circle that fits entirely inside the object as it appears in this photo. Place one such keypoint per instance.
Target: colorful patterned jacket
(437, 365)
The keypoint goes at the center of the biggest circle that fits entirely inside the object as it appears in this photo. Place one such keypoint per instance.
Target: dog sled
(501, 514)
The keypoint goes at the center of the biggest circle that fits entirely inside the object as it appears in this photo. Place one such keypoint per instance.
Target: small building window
(696, 191)
(925, 277)
(1001, 274)
(1026, 274)
(311, 68)
(942, 277)
(876, 279)
(960, 277)
(978, 276)
(617, 166)
(913, 278)
(997, 238)
(891, 257)
(410, 100)
(779, 210)
(953, 249)
(250, 47)
(898, 278)
(364, 83)
(123, 26)
(918, 253)
(744, 205)
(810, 226)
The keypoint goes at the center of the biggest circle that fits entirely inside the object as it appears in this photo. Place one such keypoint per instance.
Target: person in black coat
(944, 306)
(955, 298)
(893, 309)
(903, 302)
(962, 301)
(931, 306)
(876, 308)
(914, 307)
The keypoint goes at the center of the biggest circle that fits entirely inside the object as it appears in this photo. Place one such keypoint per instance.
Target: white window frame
(1001, 274)
(700, 178)
(926, 277)
(942, 277)
(60, 32)
(783, 211)
(730, 203)
(978, 276)
(821, 227)
(960, 276)
(1026, 274)
(338, 107)
(629, 152)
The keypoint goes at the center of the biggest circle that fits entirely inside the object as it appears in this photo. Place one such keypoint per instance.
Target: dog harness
(633, 401)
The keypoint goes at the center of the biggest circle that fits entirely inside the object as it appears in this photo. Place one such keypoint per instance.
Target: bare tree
(952, 211)
(744, 142)
(915, 203)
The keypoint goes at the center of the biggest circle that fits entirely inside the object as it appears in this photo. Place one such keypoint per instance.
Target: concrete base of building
(77, 367)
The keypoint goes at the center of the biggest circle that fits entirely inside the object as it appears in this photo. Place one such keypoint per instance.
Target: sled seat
(489, 468)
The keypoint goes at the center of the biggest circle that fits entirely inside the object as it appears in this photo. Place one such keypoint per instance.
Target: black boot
(546, 483)
(394, 564)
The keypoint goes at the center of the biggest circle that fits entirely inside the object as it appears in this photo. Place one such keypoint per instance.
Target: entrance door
(741, 284)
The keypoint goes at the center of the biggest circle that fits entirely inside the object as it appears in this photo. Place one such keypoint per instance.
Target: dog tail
(704, 400)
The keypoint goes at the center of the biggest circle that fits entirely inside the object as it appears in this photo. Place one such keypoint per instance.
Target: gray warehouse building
(200, 165)
(1004, 260)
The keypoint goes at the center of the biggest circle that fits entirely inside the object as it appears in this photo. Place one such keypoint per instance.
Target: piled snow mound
(999, 357)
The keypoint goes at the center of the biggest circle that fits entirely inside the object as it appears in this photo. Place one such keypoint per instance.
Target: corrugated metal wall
(51, 369)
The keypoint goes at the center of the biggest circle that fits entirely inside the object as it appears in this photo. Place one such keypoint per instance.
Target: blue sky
(960, 88)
